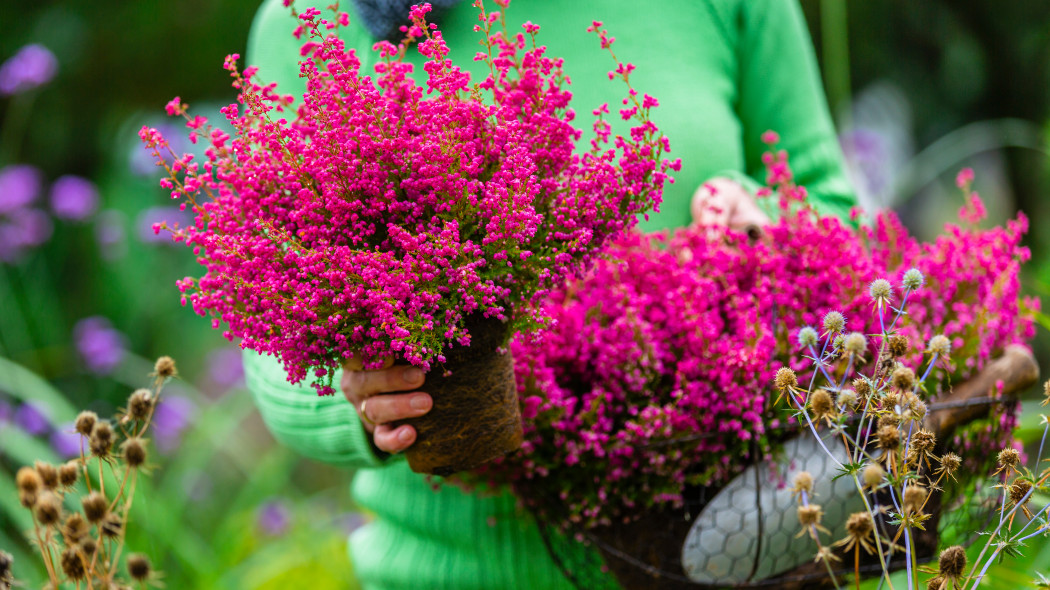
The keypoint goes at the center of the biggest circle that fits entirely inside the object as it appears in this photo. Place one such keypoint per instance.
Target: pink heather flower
(964, 179)
(386, 211)
(33, 66)
(74, 198)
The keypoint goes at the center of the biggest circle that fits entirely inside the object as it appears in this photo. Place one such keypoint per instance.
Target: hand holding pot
(721, 201)
(383, 396)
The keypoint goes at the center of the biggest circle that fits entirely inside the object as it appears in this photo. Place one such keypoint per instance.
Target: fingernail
(405, 435)
(412, 375)
(420, 402)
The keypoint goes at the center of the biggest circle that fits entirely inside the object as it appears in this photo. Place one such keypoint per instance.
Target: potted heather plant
(388, 218)
(644, 400)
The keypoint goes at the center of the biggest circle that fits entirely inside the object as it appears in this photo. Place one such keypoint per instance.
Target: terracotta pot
(475, 417)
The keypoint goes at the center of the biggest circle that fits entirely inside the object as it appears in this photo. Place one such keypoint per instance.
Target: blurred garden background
(88, 297)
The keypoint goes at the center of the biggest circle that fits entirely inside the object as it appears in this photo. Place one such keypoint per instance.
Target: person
(724, 71)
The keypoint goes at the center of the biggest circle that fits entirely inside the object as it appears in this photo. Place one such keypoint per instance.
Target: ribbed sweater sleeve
(779, 89)
(323, 428)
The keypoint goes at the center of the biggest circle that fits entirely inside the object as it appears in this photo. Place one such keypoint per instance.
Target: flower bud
(873, 475)
(68, 473)
(952, 563)
(140, 404)
(86, 422)
(138, 566)
(834, 322)
(165, 367)
(804, 482)
(855, 344)
(807, 337)
(785, 379)
(939, 345)
(95, 506)
(913, 279)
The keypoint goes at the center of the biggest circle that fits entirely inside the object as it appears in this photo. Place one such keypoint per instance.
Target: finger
(358, 385)
(747, 215)
(356, 364)
(709, 206)
(381, 409)
(394, 440)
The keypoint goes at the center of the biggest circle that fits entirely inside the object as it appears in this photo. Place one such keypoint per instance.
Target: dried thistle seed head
(952, 563)
(859, 525)
(807, 337)
(897, 345)
(862, 387)
(785, 379)
(874, 475)
(923, 441)
(903, 378)
(111, 526)
(880, 290)
(889, 438)
(138, 566)
(939, 345)
(1018, 490)
(820, 404)
(1008, 458)
(68, 473)
(95, 506)
(133, 451)
(834, 322)
(936, 583)
(890, 401)
(855, 343)
(72, 565)
(913, 279)
(917, 409)
(27, 499)
(75, 528)
(804, 482)
(88, 546)
(86, 422)
(28, 480)
(140, 404)
(1046, 392)
(914, 498)
(165, 367)
(101, 442)
(810, 515)
(847, 398)
(48, 474)
(48, 508)
(888, 420)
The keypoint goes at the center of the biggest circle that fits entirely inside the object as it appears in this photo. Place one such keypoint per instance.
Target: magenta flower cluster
(382, 214)
(657, 370)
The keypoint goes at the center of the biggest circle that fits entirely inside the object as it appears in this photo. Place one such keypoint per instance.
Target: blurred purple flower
(32, 419)
(5, 412)
(21, 231)
(142, 161)
(101, 346)
(74, 198)
(273, 517)
(153, 215)
(226, 368)
(109, 231)
(351, 521)
(19, 186)
(33, 65)
(66, 441)
(170, 419)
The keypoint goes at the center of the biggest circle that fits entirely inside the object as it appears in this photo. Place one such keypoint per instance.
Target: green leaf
(23, 384)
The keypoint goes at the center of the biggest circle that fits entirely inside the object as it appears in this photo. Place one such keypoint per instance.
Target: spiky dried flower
(1018, 495)
(133, 451)
(810, 515)
(803, 483)
(950, 463)
(897, 345)
(75, 528)
(165, 367)
(862, 386)
(101, 441)
(913, 279)
(903, 378)
(140, 404)
(820, 404)
(914, 498)
(807, 337)
(48, 508)
(785, 379)
(1007, 460)
(28, 480)
(889, 438)
(112, 525)
(68, 473)
(922, 444)
(847, 399)
(72, 564)
(859, 528)
(834, 322)
(48, 474)
(936, 583)
(940, 345)
(880, 290)
(952, 563)
(85, 422)
(855, 344)
(138, 566)
(873, 475)
(95, 507)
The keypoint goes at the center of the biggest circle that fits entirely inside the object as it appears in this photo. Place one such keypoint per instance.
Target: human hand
(721, 201)
(375, 394)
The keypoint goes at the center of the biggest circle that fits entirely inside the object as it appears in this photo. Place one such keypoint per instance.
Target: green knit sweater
(724, 71)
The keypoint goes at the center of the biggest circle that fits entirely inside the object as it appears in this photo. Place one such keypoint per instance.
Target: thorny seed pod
(1008, 460)
(101, 440)
(86, 422)
(809, 515)
(95, 506)
(75, 528)
(889, 438)
(936, 583)
(847, 399)
(903, 378)
(914, 498)
(820, 404)
(68, 473)
(1018, 490)
(873, 475)
(939, 345)
(138, 566)
(855, 344)
(48, 474)
(72, 565)
(803, 483)
(134, 452)
(834, 322)
(28, 480)
(898, 346)
(862, 387)
(952, 563)
(140, 404)
(923, 441)
(891, 400)
(807, 337)
(165, 367)
(785, 378)
(917, 409)
(111, 526)
(880, 290)
(950, 463)
(88, 546)
(48, 508)
(859, 524)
